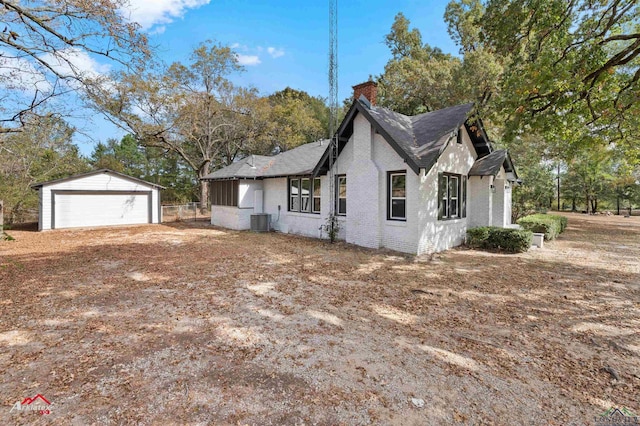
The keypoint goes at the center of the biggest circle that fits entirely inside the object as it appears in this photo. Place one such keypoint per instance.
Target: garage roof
(96, 172)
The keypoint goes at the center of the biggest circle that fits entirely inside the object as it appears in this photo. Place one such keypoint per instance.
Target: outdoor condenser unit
(260, 222)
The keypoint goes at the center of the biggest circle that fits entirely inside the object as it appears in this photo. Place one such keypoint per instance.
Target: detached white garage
(99, 198)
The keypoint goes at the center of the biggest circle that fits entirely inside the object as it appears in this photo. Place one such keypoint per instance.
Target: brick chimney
(369, 89)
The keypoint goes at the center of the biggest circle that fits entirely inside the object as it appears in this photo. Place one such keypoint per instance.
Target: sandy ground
(190, 324)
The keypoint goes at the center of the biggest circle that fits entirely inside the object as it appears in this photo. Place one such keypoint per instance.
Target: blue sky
(282, 43)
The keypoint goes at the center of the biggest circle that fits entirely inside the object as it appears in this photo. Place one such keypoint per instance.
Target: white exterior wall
(437, 235)
(366, 220)
(238, 218)
(498, 209)
(479, 201)
(365, 160)
(97, 182)
(246, 192)
(487, 207)
(507, 203)
(231, 217)
(308, 224)
(395, 234)
(363, 195)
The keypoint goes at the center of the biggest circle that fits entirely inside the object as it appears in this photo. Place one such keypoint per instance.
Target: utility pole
(333, 111)
(558, 186)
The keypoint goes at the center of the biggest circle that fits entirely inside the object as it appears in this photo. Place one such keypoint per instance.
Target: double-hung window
(294, 195)
(304, 194)
(452, 196)
(397, 196)
(317, 191)
(341, 195)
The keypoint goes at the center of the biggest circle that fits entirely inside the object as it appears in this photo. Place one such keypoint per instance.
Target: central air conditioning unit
(261, 222)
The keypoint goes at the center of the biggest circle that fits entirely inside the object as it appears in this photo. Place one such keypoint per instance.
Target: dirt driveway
(191, 324)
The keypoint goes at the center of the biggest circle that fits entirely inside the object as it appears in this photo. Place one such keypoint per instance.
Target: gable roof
(419, 139)
(298, 161)
(489, 165)
(97, 172)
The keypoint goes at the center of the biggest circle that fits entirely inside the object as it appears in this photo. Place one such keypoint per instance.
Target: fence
(189, 212)
(19, 216)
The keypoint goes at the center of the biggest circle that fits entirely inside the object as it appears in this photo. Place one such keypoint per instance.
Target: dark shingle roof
(419, 139)
(297, 161)
(422, 137)
(489, 165)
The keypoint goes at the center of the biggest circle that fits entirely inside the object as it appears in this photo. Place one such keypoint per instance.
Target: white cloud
(275, 53)
(75, 62)
(21, 74)
(248, 60)
(158, 12)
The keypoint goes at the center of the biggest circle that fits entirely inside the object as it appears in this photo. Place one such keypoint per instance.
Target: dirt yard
(190, 324)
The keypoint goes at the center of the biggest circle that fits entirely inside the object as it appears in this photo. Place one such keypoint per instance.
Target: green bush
(494, 238)
(548, 224)
(478, 236)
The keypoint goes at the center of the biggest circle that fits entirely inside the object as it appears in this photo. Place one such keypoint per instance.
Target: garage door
(100, 208)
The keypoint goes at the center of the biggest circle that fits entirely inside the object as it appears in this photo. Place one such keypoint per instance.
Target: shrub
(548, 224)
(478, 236)
(506, 239)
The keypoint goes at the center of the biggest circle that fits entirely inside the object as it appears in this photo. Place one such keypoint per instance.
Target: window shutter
(463, 197)
(442, 190)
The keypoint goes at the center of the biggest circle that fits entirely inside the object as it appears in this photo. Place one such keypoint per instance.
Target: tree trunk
(587, 204)
(204, 187)
(594, 205)
(573, 204)
(618, 205)
(1, 217)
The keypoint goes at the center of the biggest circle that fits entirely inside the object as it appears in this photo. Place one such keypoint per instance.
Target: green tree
(418, 78)
(192, 109)
(591, 172)
(152, 164)
(43, 151)
(572, 66)
(295, 118)
(125, 156)
(537, 174)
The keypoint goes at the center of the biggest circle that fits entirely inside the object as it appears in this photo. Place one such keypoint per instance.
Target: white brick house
(411, 184)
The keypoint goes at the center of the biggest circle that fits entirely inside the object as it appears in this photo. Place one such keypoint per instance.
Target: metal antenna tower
(333, 100)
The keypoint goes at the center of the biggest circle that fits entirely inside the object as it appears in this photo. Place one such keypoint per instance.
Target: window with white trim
(341, 195)
(397, 196)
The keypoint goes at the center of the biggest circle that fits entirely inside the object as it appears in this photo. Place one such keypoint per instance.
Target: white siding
(89, 184)
(438, 235)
